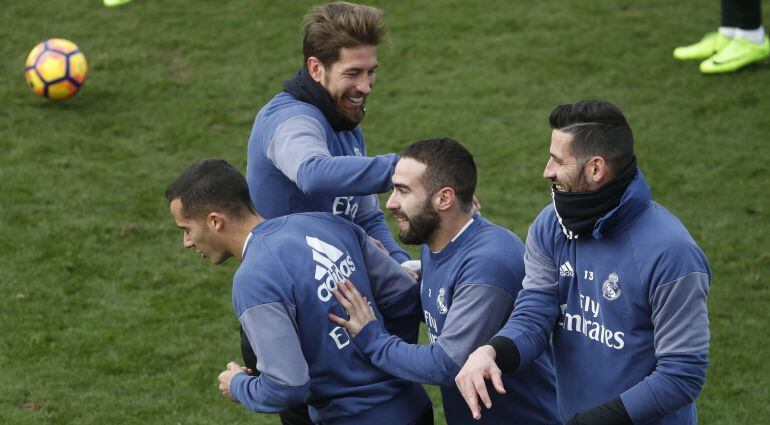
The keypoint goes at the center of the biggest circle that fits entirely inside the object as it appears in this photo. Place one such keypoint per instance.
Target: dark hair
(210, 184)
(598, 128)
(330, 27)
(449, 164)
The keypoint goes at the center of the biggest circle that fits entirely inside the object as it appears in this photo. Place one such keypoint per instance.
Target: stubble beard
(421, 226)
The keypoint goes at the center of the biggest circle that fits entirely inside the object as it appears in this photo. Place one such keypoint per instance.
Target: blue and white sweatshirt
(468, 291)
(626, 307)
(282, 294)
(298, 163)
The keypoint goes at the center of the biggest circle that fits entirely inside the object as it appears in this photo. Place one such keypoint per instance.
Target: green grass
(105, 319)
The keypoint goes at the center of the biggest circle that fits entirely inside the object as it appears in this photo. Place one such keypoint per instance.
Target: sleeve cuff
(639, 402)
(365, 339)
(507, 354)
(238, 382)
(400, 257)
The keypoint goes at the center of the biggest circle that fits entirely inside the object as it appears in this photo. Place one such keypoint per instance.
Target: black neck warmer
(303, 87)
(578, 212)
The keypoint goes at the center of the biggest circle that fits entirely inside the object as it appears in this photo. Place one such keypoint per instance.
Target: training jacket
(626, 306)
(298, 163)
(282, 296)
(468, 291)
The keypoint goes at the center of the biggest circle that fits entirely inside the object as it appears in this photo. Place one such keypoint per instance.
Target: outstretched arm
(428, 364)
(299, 150)
(477, 311)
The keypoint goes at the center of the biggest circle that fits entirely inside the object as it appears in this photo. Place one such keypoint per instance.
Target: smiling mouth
(403, 222)
(356, 100)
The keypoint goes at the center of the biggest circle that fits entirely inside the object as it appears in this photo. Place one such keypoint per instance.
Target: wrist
(488, 350)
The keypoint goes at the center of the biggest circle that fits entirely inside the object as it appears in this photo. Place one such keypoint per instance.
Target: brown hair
(448, 164)
(330, 27)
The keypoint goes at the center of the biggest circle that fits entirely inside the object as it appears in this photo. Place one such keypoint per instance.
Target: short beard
(356, 115)
(578, 184)
(421, 226)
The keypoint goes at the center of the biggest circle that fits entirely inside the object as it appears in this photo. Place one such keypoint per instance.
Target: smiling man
(613, 281)
(307, 152)
(472, 272)
(282, 297)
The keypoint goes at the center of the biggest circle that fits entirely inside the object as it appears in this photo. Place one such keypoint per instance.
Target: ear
(215, 221)
(596, 171)
(315, 68)
(444, 199)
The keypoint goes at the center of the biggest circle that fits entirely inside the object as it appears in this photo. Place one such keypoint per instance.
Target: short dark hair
(211, 184)
(330, 27)
(449, 164)
(598, 128)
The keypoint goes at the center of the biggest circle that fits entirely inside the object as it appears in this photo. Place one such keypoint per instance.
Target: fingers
(481, 389)
(224, 385)
(352, 296)
(342, 296)
(352, 288)
(339, 321)
(497, 380)
(464, 384)
(378, 244)
(413, 274)
(233, 366)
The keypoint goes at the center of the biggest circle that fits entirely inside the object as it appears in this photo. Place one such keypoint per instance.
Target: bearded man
(472, 271)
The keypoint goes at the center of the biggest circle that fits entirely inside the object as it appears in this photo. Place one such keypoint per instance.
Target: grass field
(105, 319)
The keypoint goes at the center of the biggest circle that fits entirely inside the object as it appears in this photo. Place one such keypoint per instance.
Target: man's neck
(241, 232)
(450, 226)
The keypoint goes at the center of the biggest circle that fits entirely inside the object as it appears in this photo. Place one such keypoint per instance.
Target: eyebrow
(356, 68)
(400, 186)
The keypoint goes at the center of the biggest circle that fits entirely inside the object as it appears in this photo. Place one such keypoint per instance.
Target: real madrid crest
(441, 301)
(611, 288)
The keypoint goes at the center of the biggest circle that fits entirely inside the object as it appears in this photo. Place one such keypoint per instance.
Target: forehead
(409, 172)
(561, 143)
(176, 211)
(361, 57)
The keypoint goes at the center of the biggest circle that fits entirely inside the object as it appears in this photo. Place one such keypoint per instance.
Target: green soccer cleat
(739, 53)
(709, 45)
(114, 3)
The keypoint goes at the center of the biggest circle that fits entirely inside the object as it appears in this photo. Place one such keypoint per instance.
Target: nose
(392, 204)
(365, 85)
(187, 242)
(550, 170)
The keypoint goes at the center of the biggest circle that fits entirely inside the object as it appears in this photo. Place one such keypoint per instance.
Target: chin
(219, 260)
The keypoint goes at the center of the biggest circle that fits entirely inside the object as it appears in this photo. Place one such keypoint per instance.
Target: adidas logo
(566, 270)
(331, 266)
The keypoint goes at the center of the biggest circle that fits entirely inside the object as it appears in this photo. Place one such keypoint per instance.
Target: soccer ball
(56, 69)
